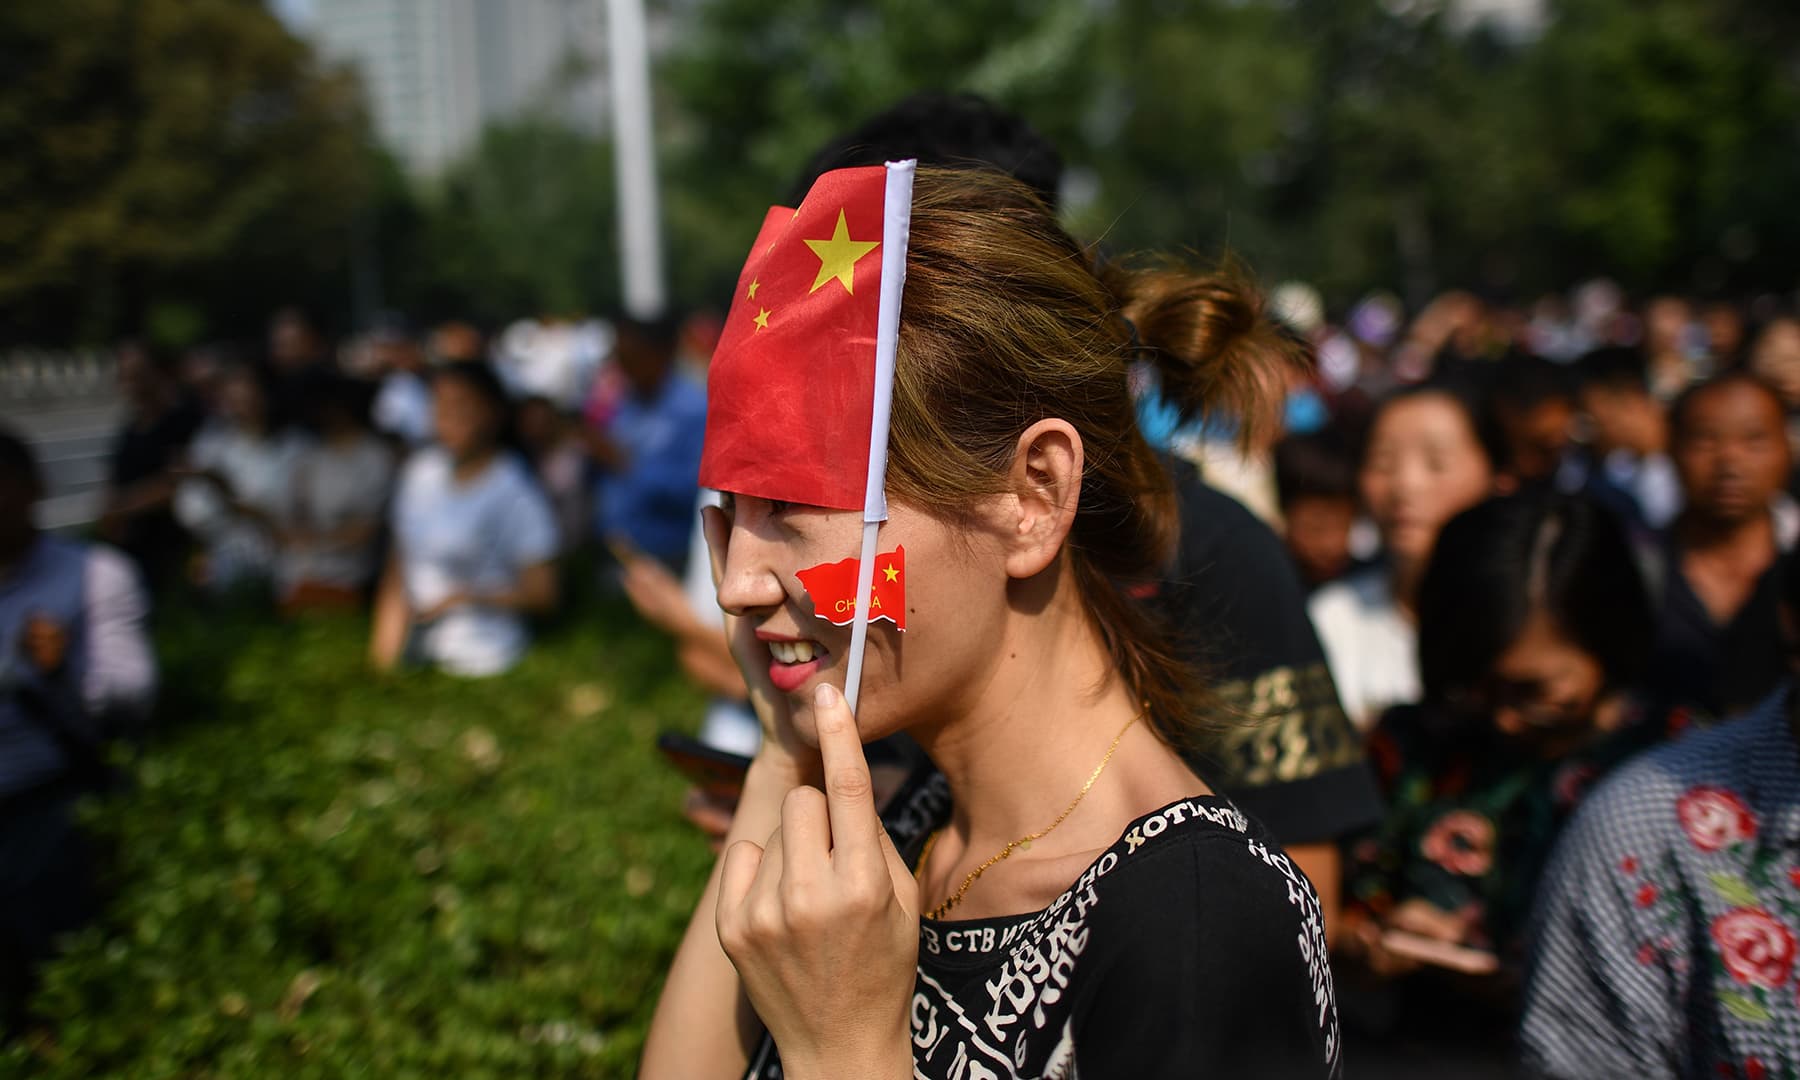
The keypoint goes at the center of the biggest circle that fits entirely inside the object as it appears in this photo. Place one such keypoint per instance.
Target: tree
(522, 225)
(167, 152)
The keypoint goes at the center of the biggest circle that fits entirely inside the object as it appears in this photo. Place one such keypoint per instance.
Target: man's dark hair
(1315, 465)
(1523, 382)
(17, 460)
(1498, 562)
(949, 131)
(1684, 405)
(662, 333)
(1614, 367)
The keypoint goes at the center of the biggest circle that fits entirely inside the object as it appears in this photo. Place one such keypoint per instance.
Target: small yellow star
(892, 574)
(762, 318)
(754, 285)
(838, 255)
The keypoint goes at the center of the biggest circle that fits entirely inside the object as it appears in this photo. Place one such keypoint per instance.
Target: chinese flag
(791, 387)
(832, 587)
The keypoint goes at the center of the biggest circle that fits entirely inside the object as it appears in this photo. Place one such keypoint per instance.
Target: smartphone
(719, 773)
(1440, 953)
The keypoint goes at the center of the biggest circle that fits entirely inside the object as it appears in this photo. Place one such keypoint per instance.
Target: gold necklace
(1023, 843)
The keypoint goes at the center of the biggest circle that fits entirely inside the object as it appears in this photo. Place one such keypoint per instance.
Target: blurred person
(648, 454)
(1534, 413)
(403, 401)
(331, 520)
(296, 345)
(1534, 632)
(1775, 357)
(236, 483)
(1669, 343)
(456, 342)
(1426, 461)
(76, 669)
(553, 445)
(1664, 940)
(1315, 476)
(1722, 323)
(1718, 646)
(474, 540)
(554, 357)
(1625, 465)
(1023, 667)
(160, 422)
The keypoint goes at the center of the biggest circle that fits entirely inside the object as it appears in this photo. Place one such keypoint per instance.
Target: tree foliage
(185, 152)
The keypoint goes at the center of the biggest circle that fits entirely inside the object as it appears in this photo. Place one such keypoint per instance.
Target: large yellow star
(838, 255)
(892, 574)
(762, 318)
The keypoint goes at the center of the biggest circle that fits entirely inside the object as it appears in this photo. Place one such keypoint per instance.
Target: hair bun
(1212, 339)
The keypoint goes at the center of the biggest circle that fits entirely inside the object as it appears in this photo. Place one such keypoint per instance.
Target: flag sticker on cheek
(832, 587)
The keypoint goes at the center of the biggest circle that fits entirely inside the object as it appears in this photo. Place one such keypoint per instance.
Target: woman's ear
(1046, 484)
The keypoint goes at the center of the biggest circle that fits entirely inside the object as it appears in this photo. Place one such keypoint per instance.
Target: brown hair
(1007, 321)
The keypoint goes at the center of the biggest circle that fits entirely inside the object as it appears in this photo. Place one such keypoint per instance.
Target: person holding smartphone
(1129, 921)
(1534, 627)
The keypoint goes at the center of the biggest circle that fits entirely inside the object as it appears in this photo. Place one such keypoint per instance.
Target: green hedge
(318, 872)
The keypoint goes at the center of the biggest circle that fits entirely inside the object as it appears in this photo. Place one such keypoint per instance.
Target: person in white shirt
(474, 540)
(235, 486)
(1426, 461)
(333, 514)
(402, 409)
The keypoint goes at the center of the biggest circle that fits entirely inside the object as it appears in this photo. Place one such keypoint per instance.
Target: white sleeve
(531, 534)
(121, 665)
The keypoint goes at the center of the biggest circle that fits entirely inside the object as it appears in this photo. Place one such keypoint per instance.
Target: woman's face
(1424, 466)
(1545, 688)
(957, 599)
(464, 417)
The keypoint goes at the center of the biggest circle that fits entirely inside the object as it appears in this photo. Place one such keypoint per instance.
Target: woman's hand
(822, 921)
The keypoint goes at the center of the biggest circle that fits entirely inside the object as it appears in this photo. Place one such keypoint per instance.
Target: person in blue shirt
(648, 451)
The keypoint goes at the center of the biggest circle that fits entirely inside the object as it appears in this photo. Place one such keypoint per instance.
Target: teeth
(793, 652)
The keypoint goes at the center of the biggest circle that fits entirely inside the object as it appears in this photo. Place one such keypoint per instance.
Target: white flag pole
(896, 227)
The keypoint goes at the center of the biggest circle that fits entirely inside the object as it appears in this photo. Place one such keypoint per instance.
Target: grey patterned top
(1664, 940)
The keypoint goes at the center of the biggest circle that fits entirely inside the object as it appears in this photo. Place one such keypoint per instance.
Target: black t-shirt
(1283, 748)
(143, 451)
(1717, 670)
(1191, 947)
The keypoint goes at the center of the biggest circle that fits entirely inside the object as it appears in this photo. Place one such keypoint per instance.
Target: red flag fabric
(832, 587)
(790, 389)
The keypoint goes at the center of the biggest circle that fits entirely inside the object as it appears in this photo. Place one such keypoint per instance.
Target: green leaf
(1744, 1008)
(1732, 889)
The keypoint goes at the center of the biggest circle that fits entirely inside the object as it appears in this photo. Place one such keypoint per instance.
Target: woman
(236, 484)
(332, 518)
(1534, 628)
(474, 540)
(1127, 921)
(1426, 461)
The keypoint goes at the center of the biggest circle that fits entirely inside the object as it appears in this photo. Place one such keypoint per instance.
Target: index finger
(849, 793)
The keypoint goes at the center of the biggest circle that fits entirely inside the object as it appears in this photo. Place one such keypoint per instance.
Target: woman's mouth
(791, 663)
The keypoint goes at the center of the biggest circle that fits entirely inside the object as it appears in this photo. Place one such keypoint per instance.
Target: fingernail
(825, 696)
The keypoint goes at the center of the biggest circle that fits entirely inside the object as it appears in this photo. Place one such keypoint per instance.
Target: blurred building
(437, 71)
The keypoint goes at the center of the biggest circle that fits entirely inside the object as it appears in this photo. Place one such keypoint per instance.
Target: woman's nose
(748, 580)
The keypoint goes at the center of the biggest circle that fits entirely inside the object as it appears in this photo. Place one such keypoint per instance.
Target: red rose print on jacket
(1461, 842)
(1714, 818)
(1756, 949)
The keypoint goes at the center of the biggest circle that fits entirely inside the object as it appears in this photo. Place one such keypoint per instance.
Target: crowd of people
(1491, 613)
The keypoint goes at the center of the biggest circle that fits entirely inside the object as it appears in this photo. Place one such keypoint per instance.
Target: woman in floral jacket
(1665, 937)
